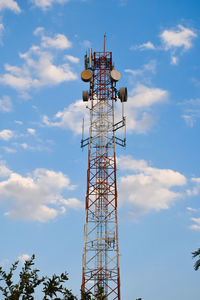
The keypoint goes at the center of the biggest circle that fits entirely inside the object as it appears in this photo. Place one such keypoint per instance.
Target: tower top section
(101, 64)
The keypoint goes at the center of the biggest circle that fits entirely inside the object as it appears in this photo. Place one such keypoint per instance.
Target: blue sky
(156, 47)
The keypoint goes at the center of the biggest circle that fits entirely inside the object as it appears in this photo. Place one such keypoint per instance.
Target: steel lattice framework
(100, 274)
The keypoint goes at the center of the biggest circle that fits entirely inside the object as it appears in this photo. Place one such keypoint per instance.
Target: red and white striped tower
(101, 275)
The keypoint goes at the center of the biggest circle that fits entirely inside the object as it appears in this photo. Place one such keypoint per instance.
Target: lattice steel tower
(101, 275)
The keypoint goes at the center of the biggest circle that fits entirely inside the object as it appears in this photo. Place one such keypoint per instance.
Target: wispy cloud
(144, 46)
(86, 44)
(143, 75)
(149, 67)
(195, 190)
(18, 122)
(1, 31)
(190, 111)
(34, 147)
(172, 40)
(196, 224)
(11, 5)
(59, 41)
(70, 118)
(5, 104)
(4, 170)
(39, 69)
(72, 59)
(9, 150)
(47, 4)
(191, 209)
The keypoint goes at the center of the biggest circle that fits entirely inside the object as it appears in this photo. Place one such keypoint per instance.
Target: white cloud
(6, 134)
(38, 31)
(196, 189)
(37, 71)
(149, 67)
(70, 118)
(60, 41)
(141, 99)
(180, 38)
(4, 171)
(5, 104)
(46, 4)
(72, 59)
(191, 209)
(10, 4)
(191, 111)
(25, 146)
(196, 220)
(18, 122)
(172, 40)
(38, 147)
(31, 131)
(1, 30)
(193, 192)
(143, 96)
(73, 203)
(9, 150)
(174, 60)
(189, 120)
(37, 196)
(147, 188)
(196, 180)
(22, 258)
(196, 225)
(146, 46)
(86, 44)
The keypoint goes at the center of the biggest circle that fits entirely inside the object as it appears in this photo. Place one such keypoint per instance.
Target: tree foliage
(99, 295)
(29, 279)
(197, 263)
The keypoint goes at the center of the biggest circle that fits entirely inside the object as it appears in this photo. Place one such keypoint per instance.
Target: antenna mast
(100, 274)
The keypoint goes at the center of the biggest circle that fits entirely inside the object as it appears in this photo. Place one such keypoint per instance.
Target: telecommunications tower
(100, 274)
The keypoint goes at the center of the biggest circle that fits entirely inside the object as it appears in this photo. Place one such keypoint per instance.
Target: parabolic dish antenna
(115, 75)
(86, 75)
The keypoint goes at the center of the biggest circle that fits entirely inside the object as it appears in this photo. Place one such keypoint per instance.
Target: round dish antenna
(86, 75)
(115, 75)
